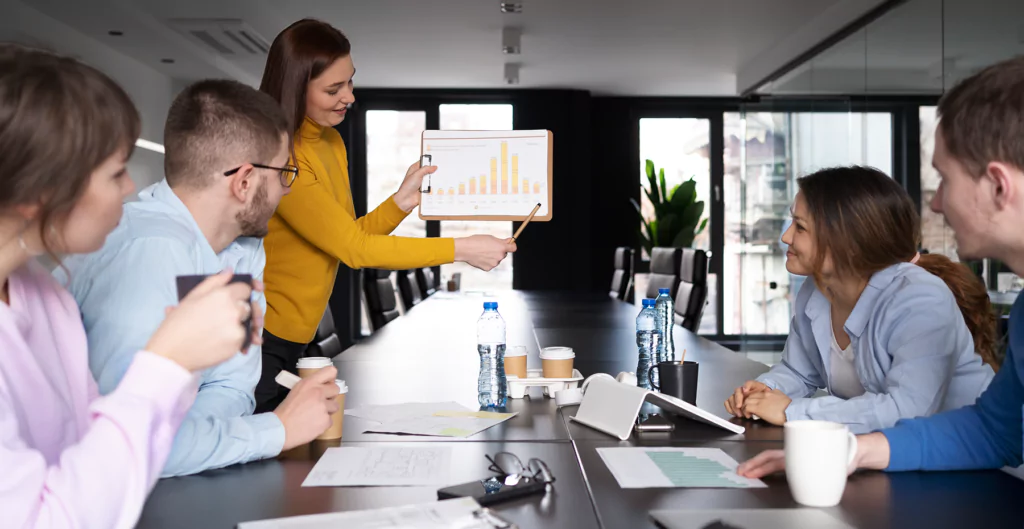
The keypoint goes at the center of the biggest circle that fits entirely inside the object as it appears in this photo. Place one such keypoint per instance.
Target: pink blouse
(69, 457)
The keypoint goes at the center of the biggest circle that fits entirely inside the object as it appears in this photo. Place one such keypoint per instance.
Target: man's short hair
(982, 117)
(214, 126)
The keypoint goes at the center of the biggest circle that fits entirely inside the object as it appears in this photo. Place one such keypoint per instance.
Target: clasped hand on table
(754, 398)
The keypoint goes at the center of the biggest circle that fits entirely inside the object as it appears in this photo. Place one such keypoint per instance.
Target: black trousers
(278, 354)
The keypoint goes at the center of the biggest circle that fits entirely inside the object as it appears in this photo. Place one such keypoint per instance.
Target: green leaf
(667, 228)
(650, 170)
(691, 215)
(703, 224)
(661, 182)
(686, 194)
(684, 239)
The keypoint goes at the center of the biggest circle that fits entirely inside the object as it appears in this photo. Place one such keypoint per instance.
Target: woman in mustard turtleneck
(309, 71)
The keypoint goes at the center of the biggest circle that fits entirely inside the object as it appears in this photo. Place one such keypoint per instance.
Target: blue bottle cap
(490, 305)
(664, 291)
(648, 303)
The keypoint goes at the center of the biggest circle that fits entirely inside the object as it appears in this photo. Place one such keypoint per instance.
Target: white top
(843, 378)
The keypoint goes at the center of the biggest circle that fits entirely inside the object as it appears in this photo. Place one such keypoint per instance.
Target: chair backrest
(427, 282)
(380, 297)
(326, 342)
(622, 277)
(664, 271)
(409, 288)
(692, 295)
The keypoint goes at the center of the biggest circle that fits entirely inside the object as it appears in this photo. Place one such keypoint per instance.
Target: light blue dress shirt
(123, 290)
(913, 353)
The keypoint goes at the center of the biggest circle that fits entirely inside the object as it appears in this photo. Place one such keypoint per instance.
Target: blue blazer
(912, 351)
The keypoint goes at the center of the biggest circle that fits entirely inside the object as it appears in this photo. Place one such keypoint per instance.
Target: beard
(253, 221)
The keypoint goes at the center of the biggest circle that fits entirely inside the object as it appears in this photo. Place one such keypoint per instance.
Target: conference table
(429, 355)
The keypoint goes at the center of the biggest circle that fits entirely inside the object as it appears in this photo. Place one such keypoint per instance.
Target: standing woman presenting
(309, 71)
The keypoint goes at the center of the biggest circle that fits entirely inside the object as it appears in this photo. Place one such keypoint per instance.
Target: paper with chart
(488, 175)
(461, 513)
(386, 466)
(440, 419)
(654, 467)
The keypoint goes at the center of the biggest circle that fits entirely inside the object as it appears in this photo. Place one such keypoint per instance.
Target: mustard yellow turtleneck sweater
(315, 227)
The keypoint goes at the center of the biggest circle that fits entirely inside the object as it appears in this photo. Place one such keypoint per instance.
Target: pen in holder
(425, 161)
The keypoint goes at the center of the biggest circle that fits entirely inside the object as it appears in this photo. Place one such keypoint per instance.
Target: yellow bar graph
(462, 188)
(440, 192)
(536, 189)
(515, 174)
(472, 186)
(483, 184)
(526, 186)
(451, 190)
(504, 168)
(494, 176)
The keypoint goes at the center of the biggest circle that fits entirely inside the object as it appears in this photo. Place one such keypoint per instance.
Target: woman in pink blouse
(69, 457)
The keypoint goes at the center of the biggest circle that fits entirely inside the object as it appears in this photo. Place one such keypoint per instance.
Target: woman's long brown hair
(866, 222)
(301, 52)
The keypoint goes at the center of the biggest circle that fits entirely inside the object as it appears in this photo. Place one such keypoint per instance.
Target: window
(477, 117)
(680, 146)
(936, 236)
(765, 152)
(392, 144)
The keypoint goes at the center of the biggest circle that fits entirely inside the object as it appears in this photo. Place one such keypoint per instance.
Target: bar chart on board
(497, 175)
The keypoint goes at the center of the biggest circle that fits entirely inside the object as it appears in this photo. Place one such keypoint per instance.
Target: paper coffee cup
(311, 364)
(515, 361)
(338, 417)
(557, 362)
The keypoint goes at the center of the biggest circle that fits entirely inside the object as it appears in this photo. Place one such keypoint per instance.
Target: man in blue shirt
(979, 155)
(227, 149)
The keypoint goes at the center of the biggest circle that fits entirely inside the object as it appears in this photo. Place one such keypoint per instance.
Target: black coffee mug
(676, 379)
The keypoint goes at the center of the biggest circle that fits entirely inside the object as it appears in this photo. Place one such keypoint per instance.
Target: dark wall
(557, 255)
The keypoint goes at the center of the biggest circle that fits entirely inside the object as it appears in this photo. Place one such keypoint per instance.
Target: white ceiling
(922, 46)
(647, 47)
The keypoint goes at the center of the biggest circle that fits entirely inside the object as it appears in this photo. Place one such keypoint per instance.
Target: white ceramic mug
(818, 454)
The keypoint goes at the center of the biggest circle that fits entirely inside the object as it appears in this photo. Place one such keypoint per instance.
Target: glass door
(765, 152)
(681, 149)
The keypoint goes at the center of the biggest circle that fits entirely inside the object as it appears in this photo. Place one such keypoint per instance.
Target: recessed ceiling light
(510, 41)
(511, 73)
(511, 7)
(115, 33)
(167, 61)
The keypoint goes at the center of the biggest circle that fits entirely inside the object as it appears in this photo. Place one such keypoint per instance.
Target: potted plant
(677, 212)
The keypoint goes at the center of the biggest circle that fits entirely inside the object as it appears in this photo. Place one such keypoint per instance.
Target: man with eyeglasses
(226, 168)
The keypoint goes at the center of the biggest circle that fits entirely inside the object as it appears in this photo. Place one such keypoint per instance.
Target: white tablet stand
(612, 407)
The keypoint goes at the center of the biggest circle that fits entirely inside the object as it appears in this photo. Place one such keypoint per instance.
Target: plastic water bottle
(648, 338)
(490, 338)
(665, 306)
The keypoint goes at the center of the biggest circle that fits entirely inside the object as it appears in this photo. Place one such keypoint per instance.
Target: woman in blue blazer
(879, 326)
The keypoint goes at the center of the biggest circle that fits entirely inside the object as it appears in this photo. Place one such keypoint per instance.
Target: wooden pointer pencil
(525, 222)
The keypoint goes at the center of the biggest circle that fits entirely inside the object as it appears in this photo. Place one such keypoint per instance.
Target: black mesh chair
(427, 281)
(380, 297)
(664, 271)
(622, 278)
(326, 342)
(692, 295)
(409, 288)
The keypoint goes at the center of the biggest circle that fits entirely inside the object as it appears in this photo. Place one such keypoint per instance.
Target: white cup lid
(342, 386)
(313, 362)
(557, 353)
(516, 350)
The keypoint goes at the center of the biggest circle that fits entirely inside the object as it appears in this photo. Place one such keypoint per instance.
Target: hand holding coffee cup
(307, 368)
